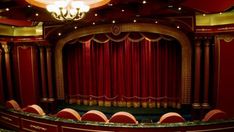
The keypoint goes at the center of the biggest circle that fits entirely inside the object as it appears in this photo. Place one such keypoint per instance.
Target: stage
(143, 115)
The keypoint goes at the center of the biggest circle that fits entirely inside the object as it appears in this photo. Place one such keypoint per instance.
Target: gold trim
(36, 123)
(218, 68)
(6, 30)
(44, 99)
(51, 99)
(82, 129)
(5, 47)
(227, 38)
(33, 56)
(215, 19)
(130, 27)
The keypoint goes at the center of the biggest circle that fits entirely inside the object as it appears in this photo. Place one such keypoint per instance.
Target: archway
(130, 27)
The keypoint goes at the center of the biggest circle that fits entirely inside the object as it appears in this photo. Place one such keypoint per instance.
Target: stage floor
(143, 115)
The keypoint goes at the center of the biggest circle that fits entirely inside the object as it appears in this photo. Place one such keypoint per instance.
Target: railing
(17, 120)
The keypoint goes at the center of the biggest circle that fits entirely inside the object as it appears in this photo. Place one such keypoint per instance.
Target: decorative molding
(6, 49)
(130, 27)
(215, 19)
(6, 30)
(227, 38)
(214, 29)
(115, 30)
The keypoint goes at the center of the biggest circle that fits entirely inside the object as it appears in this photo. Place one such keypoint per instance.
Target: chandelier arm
(62, 14)
(79, 15)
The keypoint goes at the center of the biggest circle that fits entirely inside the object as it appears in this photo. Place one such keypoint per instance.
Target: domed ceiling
(168, 12)
(118, 10)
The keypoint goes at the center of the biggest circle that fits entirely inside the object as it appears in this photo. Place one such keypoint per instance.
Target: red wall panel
(225, 93)
(27, 74)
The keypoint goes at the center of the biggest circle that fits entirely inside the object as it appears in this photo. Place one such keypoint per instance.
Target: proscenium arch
(130, 27)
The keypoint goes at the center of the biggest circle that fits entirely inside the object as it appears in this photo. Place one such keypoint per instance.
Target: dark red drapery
(126, 71)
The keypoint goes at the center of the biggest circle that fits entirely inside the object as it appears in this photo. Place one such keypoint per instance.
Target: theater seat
(68, 113)
(12, 104)
(215, 114)
(171, 117)
(34, 109)
(123, 117)
(94, 115)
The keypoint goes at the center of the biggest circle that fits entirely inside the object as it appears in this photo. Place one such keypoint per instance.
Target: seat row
(119, 117)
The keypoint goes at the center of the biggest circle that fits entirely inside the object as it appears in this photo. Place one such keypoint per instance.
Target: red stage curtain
(126, 71)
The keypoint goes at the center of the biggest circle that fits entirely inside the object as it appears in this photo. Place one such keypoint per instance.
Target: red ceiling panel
(209, 6)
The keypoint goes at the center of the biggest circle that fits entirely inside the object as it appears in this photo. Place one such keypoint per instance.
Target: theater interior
(116, 65)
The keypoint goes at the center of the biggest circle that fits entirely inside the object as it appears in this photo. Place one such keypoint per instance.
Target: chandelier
(67, 10)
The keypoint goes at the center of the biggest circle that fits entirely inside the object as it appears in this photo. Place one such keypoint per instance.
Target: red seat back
(171, 117)
(215, 114)
(34, 109)
(68, 113)
(123, 117)
(12, 104)
(94, 115)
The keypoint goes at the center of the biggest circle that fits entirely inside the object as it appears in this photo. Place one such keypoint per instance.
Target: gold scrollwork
(6, 118)
(38, 127)
(227, 38)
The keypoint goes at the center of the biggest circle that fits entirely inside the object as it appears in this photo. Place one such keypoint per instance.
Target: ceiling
(20, 13)
(118, 10)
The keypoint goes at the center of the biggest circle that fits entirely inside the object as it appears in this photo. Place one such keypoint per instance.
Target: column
(196, 103)
(206, 74)
(1, 81)
(8, 69)
(49, 74)
(214, 70)
(43, 74)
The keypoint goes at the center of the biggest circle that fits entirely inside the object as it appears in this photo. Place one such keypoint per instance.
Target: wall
(225, 91)
(25, 72)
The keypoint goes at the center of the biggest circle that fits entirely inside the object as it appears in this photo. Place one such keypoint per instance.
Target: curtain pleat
(107, 72)
(128, 71)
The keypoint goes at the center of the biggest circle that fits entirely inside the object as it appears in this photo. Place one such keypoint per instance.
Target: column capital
(196, 105)
(197, 43)
(49, 49)
(6, 48)
(41, 48)
(207, 42)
